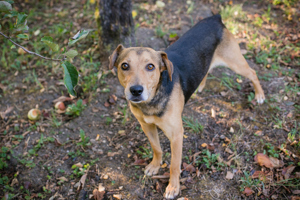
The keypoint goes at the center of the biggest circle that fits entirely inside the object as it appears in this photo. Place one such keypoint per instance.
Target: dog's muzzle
(136, 92)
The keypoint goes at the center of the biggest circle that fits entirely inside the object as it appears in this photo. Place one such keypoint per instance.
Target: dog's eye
(125, 66)
(150, 67)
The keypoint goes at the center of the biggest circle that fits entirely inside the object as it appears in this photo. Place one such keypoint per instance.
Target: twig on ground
(30, 52)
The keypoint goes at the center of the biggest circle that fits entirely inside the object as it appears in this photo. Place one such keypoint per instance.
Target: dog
(158, 84)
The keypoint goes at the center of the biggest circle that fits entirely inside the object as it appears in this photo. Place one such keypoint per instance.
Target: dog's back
(193, 52)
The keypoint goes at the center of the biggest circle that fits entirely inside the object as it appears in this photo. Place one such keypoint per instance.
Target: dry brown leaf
(258, 174)
(189, 167)
(258, 133)
(82, 180)
(228, 150)
(211, 147)
(79, 165)
(286, 172)
(98, 195)
(296, 191)
(62, 99)
(204, 145)
(263, 160)
(276, 163)
(64, 179)
(164, 165)
(159, 187)
(229, 175)
(295, 198)
(248, 191)
(7, 111)
(213, 113)
(117, 196)
(111, 154)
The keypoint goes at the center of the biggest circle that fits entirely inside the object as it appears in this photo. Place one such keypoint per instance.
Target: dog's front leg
(176, 138)
(152, 134)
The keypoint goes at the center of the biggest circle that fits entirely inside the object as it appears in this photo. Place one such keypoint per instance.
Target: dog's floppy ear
(113, 57)
(166, 64)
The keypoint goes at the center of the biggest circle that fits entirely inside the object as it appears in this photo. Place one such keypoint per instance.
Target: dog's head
(139, 71)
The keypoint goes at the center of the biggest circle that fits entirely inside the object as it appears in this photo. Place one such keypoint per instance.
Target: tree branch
(30, 52)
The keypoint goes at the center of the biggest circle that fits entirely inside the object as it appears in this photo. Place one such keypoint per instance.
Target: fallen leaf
(223, 93)
(164, 165)
(211, 147)
(286, 172)
(7, 111)
(112, 99)
(183, 187)
(229, 175)
(258, 174)
(276, 163)
(98, 136)
(204, 145)
(227, 140)
(57, 142)
(101, 188)
(105, 177)
(213, 113)
(111, 154)
(62, 99)
(198, 173)
(258, 133)
(263, 160)
(248, 191)
(82, 180)
(78, 165)
(98, 195)
(295, 198)
(117, 196)
(63, 179)
(106, 104)
(296, 191)
(228, 150)
(159, 187)
(231, 130)
(189, 167)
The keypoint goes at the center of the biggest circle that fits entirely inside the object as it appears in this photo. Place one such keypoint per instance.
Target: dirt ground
(48, 159)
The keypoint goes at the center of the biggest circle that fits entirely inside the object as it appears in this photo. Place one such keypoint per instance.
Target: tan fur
(228, 54)
(171, 124)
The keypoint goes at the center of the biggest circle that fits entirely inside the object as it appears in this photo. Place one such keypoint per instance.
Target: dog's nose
(136, 90)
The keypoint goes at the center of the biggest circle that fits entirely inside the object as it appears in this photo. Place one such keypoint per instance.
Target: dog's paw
(260, 98)
(172, 190)
(151, 169)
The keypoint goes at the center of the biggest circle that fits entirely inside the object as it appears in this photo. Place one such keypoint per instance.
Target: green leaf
(70, 77)
(78, 37)
(23, 36)
(21, 19)
(10, 1)
(49, 41)
(5, 7)
(71, 53)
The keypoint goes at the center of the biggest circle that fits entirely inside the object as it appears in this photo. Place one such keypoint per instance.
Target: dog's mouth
(136, 100)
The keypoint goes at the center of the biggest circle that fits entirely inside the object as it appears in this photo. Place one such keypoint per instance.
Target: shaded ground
(48, 158)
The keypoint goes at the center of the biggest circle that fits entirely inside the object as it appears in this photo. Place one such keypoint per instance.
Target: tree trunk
(115, 23)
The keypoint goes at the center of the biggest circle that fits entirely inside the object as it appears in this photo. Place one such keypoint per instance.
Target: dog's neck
(157, 105)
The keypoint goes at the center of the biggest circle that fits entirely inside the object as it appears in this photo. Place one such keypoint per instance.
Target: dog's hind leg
(229, 53)
(152, 134)
(202, 84)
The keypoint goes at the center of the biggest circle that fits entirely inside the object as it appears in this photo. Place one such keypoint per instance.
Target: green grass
(192, 124)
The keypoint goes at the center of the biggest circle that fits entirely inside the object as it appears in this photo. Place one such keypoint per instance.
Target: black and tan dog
(158, 84)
